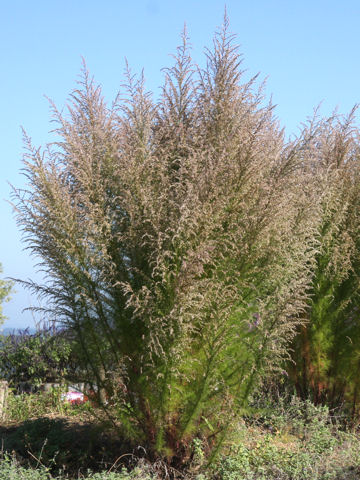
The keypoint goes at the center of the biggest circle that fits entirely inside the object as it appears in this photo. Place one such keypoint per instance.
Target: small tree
(178, 242)
(5, 289)
(35, 358)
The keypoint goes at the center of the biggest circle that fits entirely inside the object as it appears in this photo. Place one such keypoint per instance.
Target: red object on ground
(75, 398)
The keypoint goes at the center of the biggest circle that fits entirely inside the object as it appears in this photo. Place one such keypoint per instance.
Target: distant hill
(8, 331)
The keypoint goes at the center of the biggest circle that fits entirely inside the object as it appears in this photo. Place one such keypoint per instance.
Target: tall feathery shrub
(327, 349)
(177, 240)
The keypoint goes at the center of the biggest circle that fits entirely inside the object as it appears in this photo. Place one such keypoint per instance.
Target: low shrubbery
(10, 469)
(24, 406)
(296, 441)
(286, 439)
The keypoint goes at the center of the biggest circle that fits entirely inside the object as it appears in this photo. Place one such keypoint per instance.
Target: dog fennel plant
(178, 240)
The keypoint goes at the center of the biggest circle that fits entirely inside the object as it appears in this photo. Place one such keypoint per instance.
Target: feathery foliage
(178, 241)
(327, 348)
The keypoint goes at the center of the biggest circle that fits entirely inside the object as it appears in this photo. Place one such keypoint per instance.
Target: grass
(10, 469)
(283, 440)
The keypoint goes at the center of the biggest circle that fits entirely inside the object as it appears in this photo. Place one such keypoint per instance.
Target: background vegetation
(46, 356)
(5, 289)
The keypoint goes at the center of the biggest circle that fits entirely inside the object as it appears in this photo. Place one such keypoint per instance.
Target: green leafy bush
(45, 356)
(5, 289)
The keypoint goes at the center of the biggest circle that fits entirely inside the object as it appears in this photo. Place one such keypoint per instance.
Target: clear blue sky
(308, 49)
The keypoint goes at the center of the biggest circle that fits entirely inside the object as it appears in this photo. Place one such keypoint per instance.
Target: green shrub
(268, 460)
(47, 355)
(304, 443)
(11, 470)
(5, 290)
